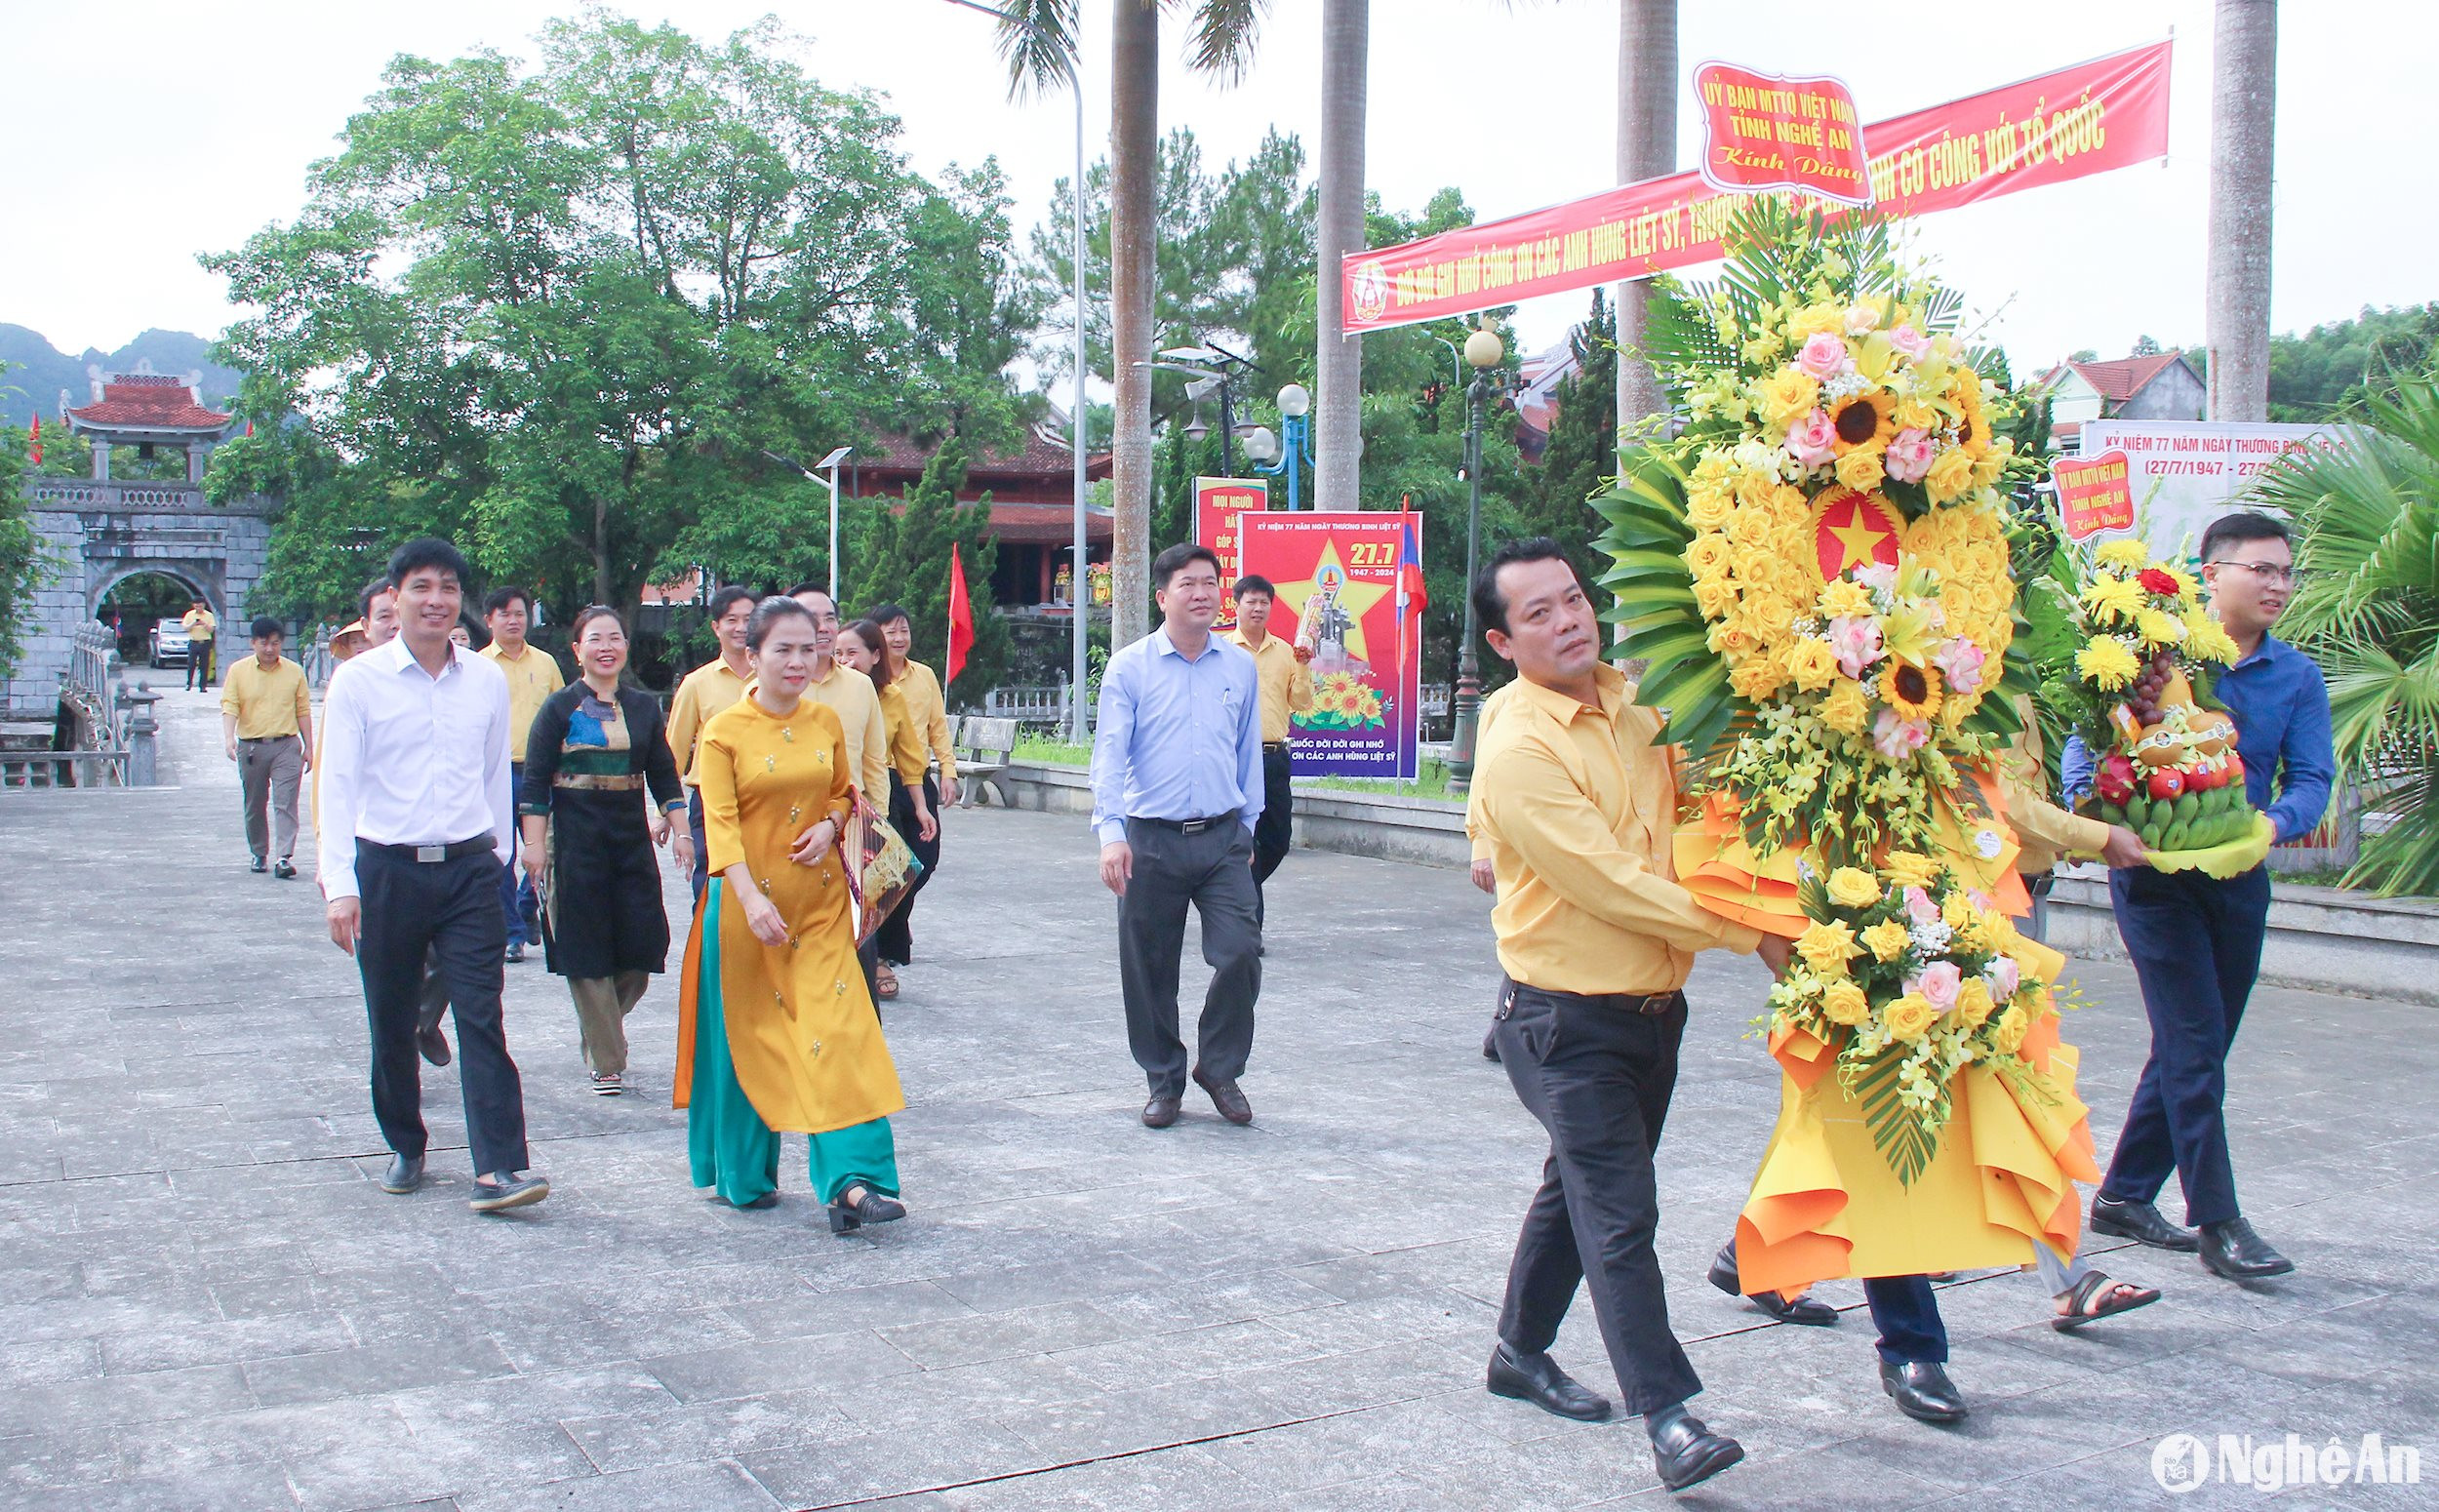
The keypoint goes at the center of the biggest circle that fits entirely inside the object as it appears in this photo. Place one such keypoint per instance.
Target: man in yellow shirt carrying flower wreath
(1817, 571)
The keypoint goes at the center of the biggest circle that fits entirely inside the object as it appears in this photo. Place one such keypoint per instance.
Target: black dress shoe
(516, 951)
(1923, 1391)
(1686, 1452)
(1538, 1380)
(405, 1174)
(1804, 1309)
(2140, 1221)
(2233, 1250)
(1162, 1110)
(285, 870)
(432, 1043)
(1226, 1097)
(869, 1208)
(259, 867)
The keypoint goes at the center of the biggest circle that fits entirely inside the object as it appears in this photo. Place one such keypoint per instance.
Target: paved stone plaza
(206, 1301)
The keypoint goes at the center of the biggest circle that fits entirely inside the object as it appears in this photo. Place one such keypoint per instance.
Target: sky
(172, 129)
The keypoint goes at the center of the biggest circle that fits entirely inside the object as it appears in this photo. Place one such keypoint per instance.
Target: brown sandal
(2114, 1297)
(885, 983)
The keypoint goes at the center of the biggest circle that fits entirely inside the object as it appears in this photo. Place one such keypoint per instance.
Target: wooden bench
(984, 746)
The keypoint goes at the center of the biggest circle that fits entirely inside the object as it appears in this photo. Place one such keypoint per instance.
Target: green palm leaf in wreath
(1907, 1140)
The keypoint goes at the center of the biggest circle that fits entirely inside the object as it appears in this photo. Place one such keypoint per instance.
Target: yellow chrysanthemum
(1847, 710)
(1949, 476)
(2126, 553)
(1863, 422)
(1826, 945)
(2186, 585)
(1908, 1017)
(1788, 396)
(1912, 690)
(2112, 598)
(1852, 886)
(1909, 868)
(1845, 1002)
(2206, 639)
(1886, 939)
(2108, 662)
(2155, 627)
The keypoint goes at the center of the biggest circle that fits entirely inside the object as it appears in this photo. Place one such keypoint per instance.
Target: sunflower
(1912, 690)
(1973, 427)
(1865, 420)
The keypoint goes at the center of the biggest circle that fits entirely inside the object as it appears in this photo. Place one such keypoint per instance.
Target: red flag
(36, 453)
(960, 615)
(1410, 588)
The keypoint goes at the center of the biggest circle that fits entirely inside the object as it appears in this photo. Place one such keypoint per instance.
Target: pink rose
(1897, 739)
(1937, 984)
(1908, 456)
(1879, 576)
(1855, 642)
(1912, 343)
(1812, 442)
(1919, 908)
(2002, 977)
(1824, 356)
(1960, 662)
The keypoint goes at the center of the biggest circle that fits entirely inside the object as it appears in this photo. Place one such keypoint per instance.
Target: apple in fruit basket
(2203, 779)
(2167, 782)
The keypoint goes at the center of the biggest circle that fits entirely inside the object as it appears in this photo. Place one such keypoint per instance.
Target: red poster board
(1342, 568)
(2108, 113)
(1770, 131)
(2094, 493)
(1217, 502)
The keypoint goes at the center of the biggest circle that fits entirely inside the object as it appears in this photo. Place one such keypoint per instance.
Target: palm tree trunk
(2244, 99)
(1135, 177)
(1339, 228)
(1647, 147)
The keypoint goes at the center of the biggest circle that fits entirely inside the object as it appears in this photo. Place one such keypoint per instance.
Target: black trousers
(1274, 833)
(702, 856)
(1599, 1078)
(896, 935)
(1907, 1312)
(2196, 944)
(1211, 869)
(450, 909)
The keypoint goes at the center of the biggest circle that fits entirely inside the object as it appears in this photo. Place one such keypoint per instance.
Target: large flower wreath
(1816, 571)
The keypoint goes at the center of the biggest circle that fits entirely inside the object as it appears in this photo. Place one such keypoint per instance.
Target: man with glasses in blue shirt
(2196, 940)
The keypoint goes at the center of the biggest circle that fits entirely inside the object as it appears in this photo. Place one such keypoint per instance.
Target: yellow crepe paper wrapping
(2233, 858)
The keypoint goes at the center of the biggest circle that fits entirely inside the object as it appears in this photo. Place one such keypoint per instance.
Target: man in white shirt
(415, 825)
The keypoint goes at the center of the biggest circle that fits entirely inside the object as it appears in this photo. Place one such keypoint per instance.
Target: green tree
(904, 561)
(2337, 366)
(1582, 451)
(566, 313)
(22, 557)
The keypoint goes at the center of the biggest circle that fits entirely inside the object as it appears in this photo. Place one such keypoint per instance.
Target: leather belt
(600, 781)
(1274, 746)
(431, 854)
(1186, 827)
(1651, 1005)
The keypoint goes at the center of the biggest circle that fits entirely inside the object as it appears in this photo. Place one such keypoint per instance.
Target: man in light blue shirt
(1177, 790)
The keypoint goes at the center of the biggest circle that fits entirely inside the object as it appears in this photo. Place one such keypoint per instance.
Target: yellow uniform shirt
(533, 678)
(2044, 832)
(928, 709)
(200, 627)
(906, 756)
(266, 704)
(1484, 715)
(704, 691)
(1286, 684)
(848, 693)
(1581, 808)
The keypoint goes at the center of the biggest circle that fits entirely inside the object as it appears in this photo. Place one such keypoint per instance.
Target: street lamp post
(1289, 446)
(1483, 351)
(830, 465)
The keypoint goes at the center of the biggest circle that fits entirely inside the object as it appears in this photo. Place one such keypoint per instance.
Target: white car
(169, 647)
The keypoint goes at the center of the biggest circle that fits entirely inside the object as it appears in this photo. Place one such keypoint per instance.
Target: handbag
(881, 868)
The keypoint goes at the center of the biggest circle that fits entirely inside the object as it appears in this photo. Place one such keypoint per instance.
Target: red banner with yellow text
(2109, 113)
(1217, 502)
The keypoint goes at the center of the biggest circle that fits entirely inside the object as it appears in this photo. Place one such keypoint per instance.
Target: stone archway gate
(97, 531)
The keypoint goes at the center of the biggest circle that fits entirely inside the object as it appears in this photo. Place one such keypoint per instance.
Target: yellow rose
(1758, 678)
(1826, 946)
(1788, 397)
(1708, 508)
(2009, 1036)
(1956, 911)
(1790, 508)
(1727, 640)
(1847, 710)
(1714, 597)
(1989, 465)
(1707, 556)
(1999, 933)
(1753, 490)
(1813, 319)
(1908, 1017)
(1846, 1004)
(1812, 665)
(1914, 415)
(1972, 1003)
(1843, 598)
(1909, 869)
(1852, 886)
(1861, 469)
(1949, 476)
(1887, 940)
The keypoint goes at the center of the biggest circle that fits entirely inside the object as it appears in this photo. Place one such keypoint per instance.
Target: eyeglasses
(2269, 574)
